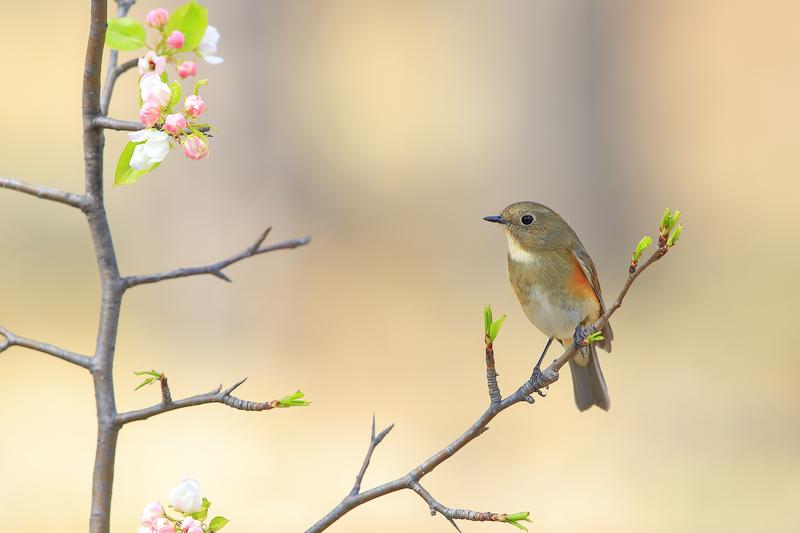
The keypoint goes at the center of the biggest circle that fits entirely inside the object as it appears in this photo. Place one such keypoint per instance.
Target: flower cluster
(167, 123)
(187, 500)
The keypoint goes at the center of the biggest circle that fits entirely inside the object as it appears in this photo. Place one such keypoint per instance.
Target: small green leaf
(217, 523)
(124, 173)
(199, 84)
(673, 219)
(487, 319)
(150, 372)
(148, 381)
(206, 503)
(125, 34)
(515, 518)
(594, 337)
(175, 92)
(673, 238)
(494, 329)
(641, 247)
(200, 515)
(664, 220)
(293, 400)
(191, 20)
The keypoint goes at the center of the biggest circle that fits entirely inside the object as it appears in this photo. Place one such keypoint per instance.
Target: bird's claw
(536, 378)
(579, 338)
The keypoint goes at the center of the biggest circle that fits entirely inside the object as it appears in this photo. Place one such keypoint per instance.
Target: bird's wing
(587, 266)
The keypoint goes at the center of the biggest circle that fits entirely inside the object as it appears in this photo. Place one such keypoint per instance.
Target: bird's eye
(527, 220)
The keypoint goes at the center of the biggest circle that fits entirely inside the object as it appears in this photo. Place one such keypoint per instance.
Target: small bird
(556, 283)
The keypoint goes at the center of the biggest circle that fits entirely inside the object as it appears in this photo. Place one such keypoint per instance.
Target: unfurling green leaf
(641, 247)
(206, 503)
(664, 220)
(201, 514)
(217, 523)
(124, 173)
(125, 33)
(150, 372)
(191, 20)
(148, 381)
(175, 93)
(673, 219)
(487, 319)
(199, 84)
(673, 238)
(594, 337)
(516, 518)
(293, 400)
(494, 329)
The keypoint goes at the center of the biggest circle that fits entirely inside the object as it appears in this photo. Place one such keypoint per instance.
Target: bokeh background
(386, 130)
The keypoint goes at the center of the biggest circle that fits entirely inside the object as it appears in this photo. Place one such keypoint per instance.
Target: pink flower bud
(190, 523)
(152, 511)
(162, 525)
(157, 18)
(186, 69)
(149, 113)
(176, 40)
(174, 123)
(194, 105)
(194, 147)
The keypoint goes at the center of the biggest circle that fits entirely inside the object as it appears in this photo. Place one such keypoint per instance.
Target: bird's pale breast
(554, 293)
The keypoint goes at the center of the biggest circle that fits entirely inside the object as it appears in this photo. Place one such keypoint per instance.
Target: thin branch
(110, 123)
(373, 443)
(123, 6)
(45, 193)
(114, 72)
(116, 124)
(491, 376)
(216, 269)
(214, 396)
(456, 514)
(538, 381)
(11, 339)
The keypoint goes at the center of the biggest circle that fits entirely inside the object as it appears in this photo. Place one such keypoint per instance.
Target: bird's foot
(537, 377)
(580, 338)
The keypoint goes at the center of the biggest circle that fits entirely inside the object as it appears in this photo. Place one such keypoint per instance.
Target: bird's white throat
(517, 252)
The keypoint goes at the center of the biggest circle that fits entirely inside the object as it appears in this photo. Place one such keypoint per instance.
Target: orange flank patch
(579, 283)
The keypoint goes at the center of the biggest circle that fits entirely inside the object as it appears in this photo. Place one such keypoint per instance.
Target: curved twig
(45, 193)
(216, 269)
(11, 339)
(213, 396)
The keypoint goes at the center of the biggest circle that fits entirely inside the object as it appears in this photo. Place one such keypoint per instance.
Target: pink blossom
(157, 18)
(162, 525)
(194, 105)
(151, 62)
(186, 69)
(194, 147)
(195, 529)
(190, 524)
(174, 123)
(176, 40)
(149, 113)
(152, 511)
(152, 88)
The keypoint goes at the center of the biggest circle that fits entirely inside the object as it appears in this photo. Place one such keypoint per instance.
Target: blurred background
(386, 130)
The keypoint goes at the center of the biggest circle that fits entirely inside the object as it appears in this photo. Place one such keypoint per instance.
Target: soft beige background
(386, 130)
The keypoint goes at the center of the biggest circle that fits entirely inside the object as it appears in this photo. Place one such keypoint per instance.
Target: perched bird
(556, 283)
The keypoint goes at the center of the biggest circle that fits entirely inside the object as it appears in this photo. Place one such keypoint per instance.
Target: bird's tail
(588, 382)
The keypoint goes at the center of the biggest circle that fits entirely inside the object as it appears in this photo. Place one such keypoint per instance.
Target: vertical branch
(111, 283)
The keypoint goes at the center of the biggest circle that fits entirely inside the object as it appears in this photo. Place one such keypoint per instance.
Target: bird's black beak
(496, 218)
